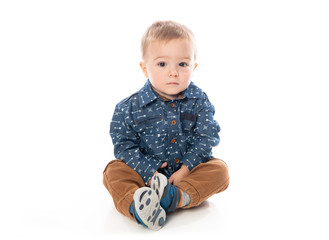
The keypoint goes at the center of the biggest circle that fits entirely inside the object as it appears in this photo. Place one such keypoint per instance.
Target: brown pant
(203, 181)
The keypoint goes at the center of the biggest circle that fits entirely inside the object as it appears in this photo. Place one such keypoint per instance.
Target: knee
(113, 166)
(118, 172)
(111, 171)
(220, 169)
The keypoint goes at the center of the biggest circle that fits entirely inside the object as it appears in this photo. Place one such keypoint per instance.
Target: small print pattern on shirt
(147, 131)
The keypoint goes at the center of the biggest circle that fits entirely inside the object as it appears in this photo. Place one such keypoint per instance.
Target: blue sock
(133, 212)
(171, 198)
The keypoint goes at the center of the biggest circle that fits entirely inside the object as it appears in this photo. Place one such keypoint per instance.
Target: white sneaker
(148, 209)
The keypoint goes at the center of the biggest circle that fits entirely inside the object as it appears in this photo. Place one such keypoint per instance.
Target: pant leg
(122, 181)
(204, 181)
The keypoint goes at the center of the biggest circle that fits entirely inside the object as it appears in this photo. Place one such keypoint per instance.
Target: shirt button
(177, 160)
(173, 122)
(172, 105)
(173, 140)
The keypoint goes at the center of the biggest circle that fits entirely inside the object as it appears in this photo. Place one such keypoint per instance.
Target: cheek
(155, 74)
(187, 74)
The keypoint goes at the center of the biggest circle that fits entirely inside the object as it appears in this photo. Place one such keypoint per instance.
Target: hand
(179, 175)
(162, 166)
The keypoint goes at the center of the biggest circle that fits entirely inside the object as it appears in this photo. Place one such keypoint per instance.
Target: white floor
(253, 207)
(65, 64)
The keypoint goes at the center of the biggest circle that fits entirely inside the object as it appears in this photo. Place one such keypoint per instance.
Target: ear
(144, 69)
(195, 65)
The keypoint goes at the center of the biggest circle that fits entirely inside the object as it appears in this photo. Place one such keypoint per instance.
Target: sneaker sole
(159, 183)
(148, 208)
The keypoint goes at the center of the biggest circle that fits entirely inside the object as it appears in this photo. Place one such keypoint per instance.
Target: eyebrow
(167, 57)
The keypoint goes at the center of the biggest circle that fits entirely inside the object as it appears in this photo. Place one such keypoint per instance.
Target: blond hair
(166, 31)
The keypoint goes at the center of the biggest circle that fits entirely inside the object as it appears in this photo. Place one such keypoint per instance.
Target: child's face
(169, 66)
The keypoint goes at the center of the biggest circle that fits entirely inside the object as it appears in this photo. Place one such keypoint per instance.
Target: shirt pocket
(149, 128)
(148, 120)
(188, 121)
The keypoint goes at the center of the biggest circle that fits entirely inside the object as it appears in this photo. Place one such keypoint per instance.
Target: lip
(172, 83)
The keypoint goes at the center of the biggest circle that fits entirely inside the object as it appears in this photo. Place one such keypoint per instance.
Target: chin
(173, 93)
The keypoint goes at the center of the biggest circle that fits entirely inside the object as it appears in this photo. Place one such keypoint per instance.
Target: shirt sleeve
(127, 145)
(205, 137)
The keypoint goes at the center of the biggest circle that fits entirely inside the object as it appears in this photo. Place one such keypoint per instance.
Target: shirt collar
(148, 95)
(194, 92)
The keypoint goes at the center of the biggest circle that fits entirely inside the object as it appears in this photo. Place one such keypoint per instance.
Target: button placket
(173, 109)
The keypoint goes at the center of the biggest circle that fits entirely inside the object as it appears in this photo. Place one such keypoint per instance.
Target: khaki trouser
(203, 181)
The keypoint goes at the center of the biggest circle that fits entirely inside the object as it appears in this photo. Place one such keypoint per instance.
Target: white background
(65, 64)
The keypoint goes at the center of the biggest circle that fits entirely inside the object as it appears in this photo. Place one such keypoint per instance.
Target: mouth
(172, 83)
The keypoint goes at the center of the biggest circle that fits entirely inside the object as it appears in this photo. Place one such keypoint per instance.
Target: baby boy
(163, 134)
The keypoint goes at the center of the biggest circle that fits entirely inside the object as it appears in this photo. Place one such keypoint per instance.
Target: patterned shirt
(148, 130)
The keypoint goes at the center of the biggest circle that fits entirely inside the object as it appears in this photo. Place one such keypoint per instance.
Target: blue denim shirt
(147, 131)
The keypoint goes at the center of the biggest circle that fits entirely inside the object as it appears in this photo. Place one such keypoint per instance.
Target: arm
(126, 146)
(205, 136)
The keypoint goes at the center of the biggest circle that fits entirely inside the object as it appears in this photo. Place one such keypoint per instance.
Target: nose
(173, 72)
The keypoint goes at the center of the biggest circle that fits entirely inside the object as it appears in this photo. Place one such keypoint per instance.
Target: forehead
(171, 48)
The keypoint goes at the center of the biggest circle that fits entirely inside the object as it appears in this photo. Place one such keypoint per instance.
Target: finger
(151, 178)
(171, 180)
(164, 165)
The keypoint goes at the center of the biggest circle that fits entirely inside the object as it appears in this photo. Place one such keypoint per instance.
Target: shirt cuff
(191, 160)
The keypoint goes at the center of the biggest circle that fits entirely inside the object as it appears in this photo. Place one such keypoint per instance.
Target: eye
(162, 64)
(183, 64)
